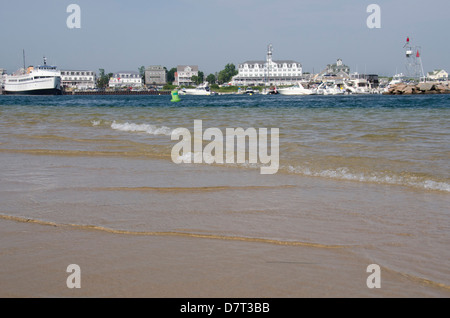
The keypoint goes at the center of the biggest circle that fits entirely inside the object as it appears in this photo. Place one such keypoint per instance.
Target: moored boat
(297, 89)
(39, 80)
(202, 89)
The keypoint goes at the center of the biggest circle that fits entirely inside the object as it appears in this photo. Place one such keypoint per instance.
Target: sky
(119, 35)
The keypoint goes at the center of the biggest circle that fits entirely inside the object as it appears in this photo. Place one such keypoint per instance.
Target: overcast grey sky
(124, 35)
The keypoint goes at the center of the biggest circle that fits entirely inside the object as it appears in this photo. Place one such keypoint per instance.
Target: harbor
(269, 76)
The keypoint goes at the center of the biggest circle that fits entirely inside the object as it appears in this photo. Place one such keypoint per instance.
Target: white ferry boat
(40, 80)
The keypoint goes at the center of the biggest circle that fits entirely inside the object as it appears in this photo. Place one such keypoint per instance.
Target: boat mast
(24, 69)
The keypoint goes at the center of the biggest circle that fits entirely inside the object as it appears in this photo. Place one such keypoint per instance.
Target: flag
(407, 42)
(417, 55)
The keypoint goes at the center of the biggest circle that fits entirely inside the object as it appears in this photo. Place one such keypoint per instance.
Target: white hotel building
(78, 79)
(269, 72)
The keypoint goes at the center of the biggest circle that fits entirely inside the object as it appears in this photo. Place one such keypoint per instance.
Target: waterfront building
(438, 75)
(155, 75)
(126, 79)
(268, 72)
(78, 79)
(337, 69)
(184, 73)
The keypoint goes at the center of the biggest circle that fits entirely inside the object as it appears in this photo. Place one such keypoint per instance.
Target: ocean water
(379, 139)
(366, 175)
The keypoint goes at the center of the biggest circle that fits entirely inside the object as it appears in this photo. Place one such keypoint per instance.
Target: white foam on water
(146, 128)
(345, 174)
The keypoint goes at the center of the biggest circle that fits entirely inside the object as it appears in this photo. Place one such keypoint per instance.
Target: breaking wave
(383, 178)
(146, 128)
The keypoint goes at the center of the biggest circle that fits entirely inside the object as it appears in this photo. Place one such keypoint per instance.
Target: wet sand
(35, 259)
(215, 232)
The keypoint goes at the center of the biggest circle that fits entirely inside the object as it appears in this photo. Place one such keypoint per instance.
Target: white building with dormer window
(184, 73)
(438, 75)
(269, 72)
(126, 79)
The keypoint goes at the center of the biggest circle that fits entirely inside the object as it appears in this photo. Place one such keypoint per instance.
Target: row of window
(136, 80)
(251, 66)
(77, 78)
(76, 73)
(127, 75)
(271, 71)
(28, 79)
(271, 74)
(279, 76)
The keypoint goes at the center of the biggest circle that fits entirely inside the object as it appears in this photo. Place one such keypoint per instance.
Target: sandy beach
(315, 255)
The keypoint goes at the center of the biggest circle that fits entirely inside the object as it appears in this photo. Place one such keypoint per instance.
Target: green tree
(227, 73)
(195, 79)
(142, 73)
(198, 79)
(103, 79)
(201, 77)
(171, 75)
(211, 79)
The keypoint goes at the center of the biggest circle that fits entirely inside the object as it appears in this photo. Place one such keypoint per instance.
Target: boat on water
(250, 91)
(329, 88)
(202, 89)
(270, 91)
(297, 89)
(40, 80)
(360, 86)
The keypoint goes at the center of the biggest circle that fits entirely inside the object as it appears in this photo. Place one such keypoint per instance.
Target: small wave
(95, 122)
(206, 158)
(418, 279)
(173, 233)
(345, 174)
(149, 129)
(192, 189)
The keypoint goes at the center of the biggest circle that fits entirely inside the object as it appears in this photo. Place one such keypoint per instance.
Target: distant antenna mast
(23, 51)
(414, 66)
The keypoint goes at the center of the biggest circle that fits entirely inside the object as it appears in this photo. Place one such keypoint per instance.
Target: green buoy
(175, 97)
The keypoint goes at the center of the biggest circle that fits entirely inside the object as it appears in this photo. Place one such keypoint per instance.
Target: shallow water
(363, 178)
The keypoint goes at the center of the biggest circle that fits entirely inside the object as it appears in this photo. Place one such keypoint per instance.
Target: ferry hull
(47, 91)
